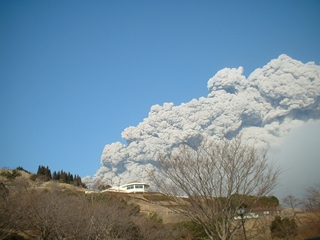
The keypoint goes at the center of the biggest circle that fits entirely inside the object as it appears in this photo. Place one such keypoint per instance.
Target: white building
(133, 187)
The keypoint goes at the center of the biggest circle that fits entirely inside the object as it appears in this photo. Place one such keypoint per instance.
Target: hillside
(26, 178)
(143, 200)
(147, 210)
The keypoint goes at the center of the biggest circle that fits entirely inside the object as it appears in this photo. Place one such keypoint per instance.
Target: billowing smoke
(282, 95)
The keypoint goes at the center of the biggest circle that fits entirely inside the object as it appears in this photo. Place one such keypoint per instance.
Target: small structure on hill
(133, 187)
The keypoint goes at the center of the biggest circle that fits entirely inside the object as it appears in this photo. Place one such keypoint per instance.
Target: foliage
(154, 217)
(193, 230)
(19, 168)
(10, 175)
(44, 173)
(33, 177)
(268, 202)
(283, 228)
(102, 187)
(130, 230)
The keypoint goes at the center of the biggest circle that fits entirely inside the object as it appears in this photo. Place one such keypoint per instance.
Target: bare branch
(215, 179)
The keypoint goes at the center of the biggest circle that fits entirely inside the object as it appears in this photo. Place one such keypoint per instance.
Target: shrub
(192, 230)
(22, 169)
(283, 228)
(33, 177)
(10, 175)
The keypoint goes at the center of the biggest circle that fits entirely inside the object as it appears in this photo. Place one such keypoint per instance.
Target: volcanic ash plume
(265, 106)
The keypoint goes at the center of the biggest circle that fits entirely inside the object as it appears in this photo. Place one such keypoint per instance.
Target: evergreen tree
(44, 173)
(63, 177)
(55, 176)
(68, 178)
(40, 170)
(47, 173)
(77, 181)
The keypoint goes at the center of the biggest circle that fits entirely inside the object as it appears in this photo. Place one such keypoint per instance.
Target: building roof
(134, 183)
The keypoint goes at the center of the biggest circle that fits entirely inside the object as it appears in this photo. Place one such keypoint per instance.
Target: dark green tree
(71, 178)
(63, 177)
(55, 176)
(68, 177)
(40, 170)
(44, 173)
(47, 174)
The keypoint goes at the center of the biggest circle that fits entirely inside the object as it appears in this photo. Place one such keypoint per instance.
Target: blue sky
(75, 74)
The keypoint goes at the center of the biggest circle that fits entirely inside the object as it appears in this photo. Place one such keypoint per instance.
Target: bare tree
(110, 217)
(152, 228)
(45, 214)
(216, 178)
(311, 204)
(12, 207)
(292, 202)
(57, 213)
(312, 198)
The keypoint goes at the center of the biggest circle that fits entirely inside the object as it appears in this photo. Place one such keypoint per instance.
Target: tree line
(44, 173)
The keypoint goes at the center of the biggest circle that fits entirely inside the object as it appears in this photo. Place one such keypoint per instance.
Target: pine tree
(44, 173)
(54, 176)
(68, 178)
(63, 177)
(77, 181)
(47, 173)
(40, 170)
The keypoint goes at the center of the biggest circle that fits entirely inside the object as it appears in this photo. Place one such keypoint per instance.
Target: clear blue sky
(75, 74)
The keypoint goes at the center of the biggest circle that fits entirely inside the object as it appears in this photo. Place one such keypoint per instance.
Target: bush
(10, 175)
(153, 216)
(128, 231)
(102, 187)
(22, 169)
(283, 228)
(192, 230)
(33, 177)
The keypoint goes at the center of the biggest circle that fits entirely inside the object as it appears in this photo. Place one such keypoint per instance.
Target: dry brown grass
(259, 229)
(256, 229)
(24, 178)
